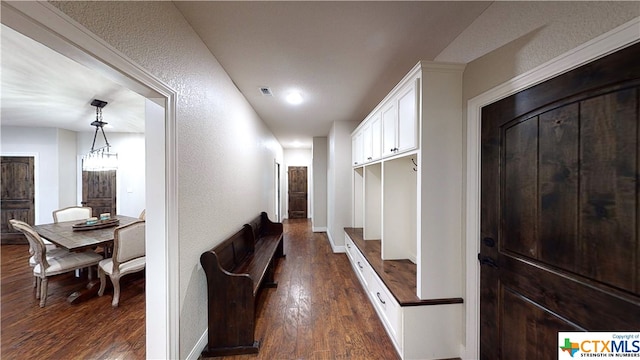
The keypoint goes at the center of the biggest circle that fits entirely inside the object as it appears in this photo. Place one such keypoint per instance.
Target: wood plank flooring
(318, 311)
(90, 330)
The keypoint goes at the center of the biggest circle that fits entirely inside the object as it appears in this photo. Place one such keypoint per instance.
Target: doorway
(297, 192)
(278, 198)
(99, 191)
(18, 196)
(559, 199)
(42, 22)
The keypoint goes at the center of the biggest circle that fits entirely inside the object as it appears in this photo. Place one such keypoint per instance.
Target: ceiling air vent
(264, 90)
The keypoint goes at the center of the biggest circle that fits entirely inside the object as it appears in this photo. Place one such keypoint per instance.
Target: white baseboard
(335, 248)
(319, 229)
(194, 354)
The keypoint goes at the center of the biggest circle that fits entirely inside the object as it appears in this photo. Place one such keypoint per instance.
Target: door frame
(607, 43)
(47, 25)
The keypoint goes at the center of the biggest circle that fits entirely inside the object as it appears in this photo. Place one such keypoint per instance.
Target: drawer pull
(349, 246)
(360, 265)
(379, 298)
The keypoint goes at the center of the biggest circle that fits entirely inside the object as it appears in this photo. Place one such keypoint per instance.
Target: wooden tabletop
(63, 234)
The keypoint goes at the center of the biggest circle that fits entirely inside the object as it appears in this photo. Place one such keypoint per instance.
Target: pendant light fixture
(99, 159)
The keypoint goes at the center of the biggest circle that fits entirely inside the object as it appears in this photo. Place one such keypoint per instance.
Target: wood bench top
(399, 276)
(256, 264)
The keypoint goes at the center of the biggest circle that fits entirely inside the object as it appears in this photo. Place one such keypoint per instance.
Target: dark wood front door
(559, 210)
(297, 192)
(18, 196)
(99, 191)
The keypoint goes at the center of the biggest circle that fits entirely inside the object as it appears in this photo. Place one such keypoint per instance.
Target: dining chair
(72, 213)
(128, 257)
(47, 266)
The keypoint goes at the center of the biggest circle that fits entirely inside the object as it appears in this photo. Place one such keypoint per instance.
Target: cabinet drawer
(348, 243)
(360, 265)
(388, 307)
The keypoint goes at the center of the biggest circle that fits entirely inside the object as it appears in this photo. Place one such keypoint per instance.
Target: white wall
(225, 151)
(67, 168)
(339, 190)
(320, 152)
(130, 176)
(298, 157)
(42, 144)
(58, 165)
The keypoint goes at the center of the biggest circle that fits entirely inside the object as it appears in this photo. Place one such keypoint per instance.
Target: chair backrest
(37, 247)
(72, 213)
(128, 242)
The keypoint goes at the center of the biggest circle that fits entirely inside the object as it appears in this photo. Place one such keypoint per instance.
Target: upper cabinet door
(407, 118)
(366, 143)
(357, 149)
(389, 126)
(376, 137)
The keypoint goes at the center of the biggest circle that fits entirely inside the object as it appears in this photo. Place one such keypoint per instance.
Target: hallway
(319, 309)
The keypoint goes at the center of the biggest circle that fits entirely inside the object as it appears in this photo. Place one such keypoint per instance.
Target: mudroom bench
(235, 270)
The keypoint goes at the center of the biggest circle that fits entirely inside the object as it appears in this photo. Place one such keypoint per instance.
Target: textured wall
(511, 38)
(225, 152)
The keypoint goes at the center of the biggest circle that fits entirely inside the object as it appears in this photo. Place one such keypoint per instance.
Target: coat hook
(414, 163)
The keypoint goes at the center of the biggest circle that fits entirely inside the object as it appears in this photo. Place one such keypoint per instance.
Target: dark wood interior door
(559, 210)
(297, 192)
(18, 196)
(99, 191)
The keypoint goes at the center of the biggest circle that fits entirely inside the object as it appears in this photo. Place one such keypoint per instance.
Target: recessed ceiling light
(294, 97)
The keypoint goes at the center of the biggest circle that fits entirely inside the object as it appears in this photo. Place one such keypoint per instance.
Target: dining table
(78, 236)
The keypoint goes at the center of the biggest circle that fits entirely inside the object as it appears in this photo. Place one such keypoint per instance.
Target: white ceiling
(343, 57)
(41, 88)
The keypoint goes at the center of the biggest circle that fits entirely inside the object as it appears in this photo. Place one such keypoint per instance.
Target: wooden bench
(235, 270)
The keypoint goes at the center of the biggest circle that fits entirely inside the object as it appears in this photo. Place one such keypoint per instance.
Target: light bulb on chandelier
(99, 159)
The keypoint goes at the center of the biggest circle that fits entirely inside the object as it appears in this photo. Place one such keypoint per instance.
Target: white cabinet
(407, 133)
(418, 331)
(357, 153)
(367, 150)
(371, 139)
(410, 198)
(389, 127)
(376, 137)
(400, 121)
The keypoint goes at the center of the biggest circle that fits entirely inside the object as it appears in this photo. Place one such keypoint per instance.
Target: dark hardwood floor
(318, 311)
(89, 330)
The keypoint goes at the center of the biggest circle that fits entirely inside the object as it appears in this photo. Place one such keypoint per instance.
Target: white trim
(46, 24)
(607, 43)
(195, 352)
(318, 229)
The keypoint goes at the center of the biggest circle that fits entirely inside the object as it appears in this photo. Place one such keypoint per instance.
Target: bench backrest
(261, 226)
(232, 251)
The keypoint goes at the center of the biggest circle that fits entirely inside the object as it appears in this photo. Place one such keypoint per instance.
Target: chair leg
(103, 281)
(38, 285)
(116, 291)
(43, 292)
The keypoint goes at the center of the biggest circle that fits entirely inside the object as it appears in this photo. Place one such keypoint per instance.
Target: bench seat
(236, 269)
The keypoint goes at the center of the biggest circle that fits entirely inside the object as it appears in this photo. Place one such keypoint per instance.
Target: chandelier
(99, 159)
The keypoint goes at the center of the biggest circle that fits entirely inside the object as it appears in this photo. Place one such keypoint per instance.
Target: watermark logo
(612, 345)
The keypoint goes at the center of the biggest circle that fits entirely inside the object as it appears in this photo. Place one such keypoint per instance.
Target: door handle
(486, 260)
